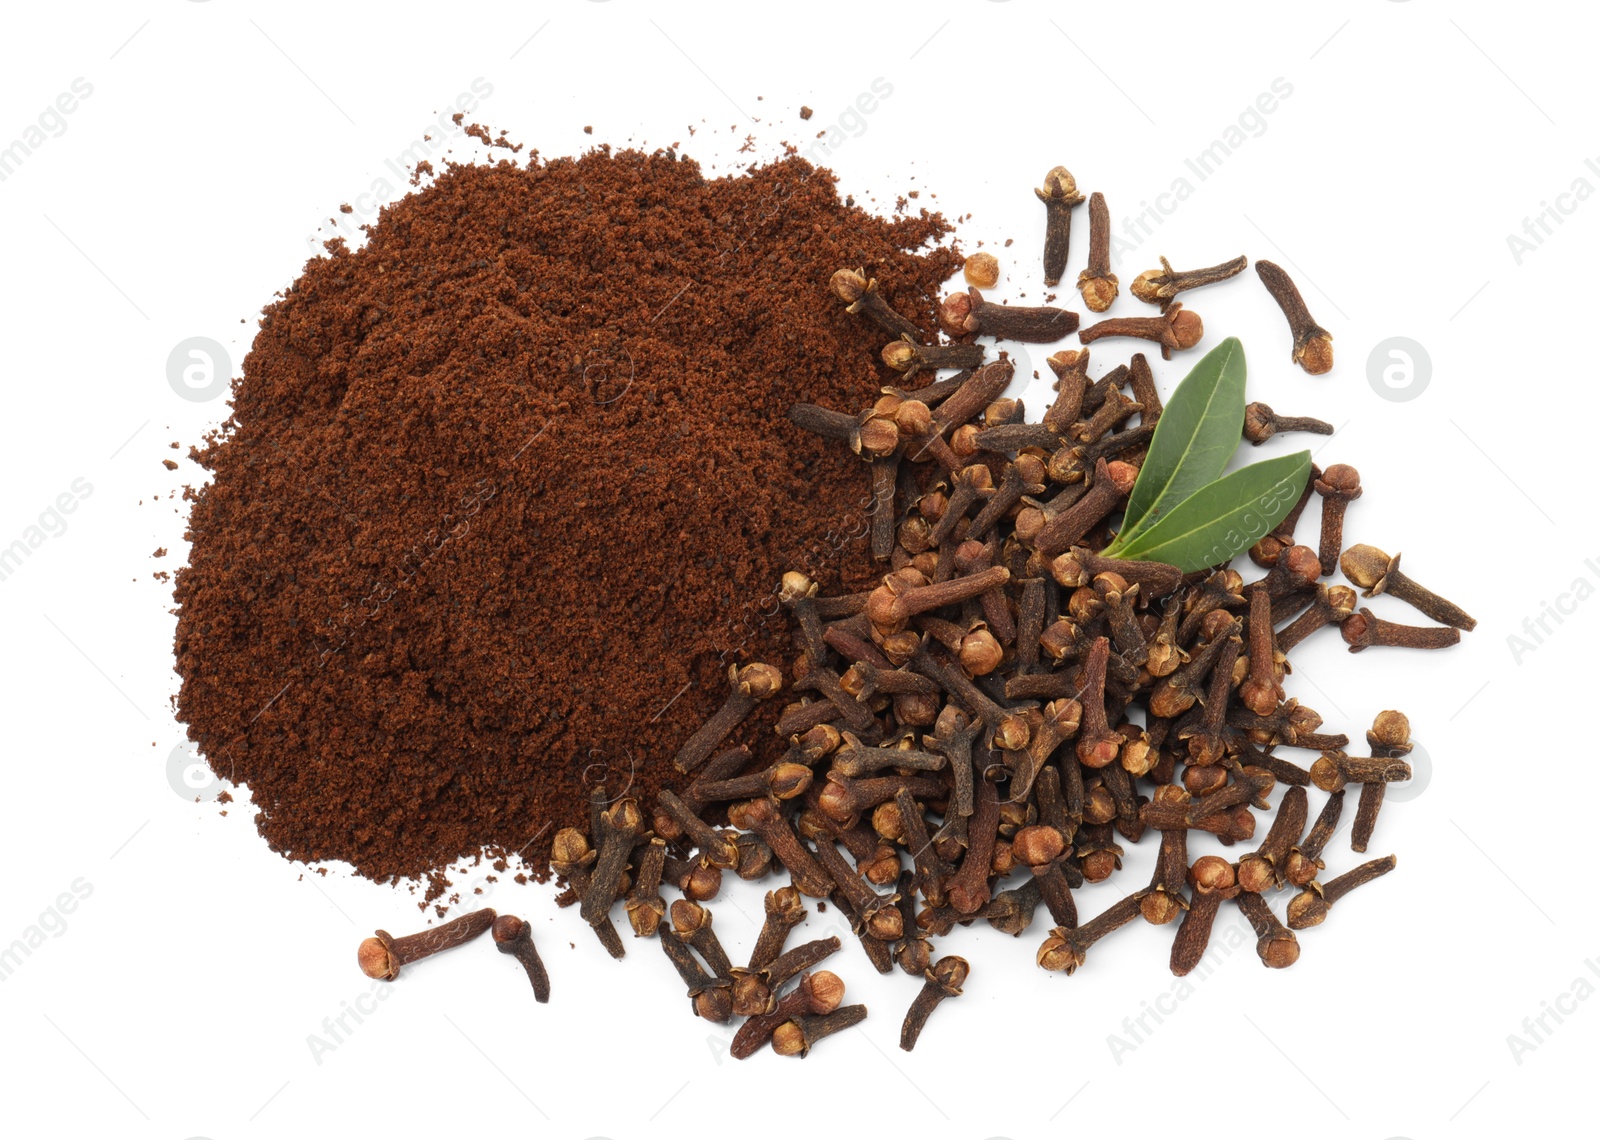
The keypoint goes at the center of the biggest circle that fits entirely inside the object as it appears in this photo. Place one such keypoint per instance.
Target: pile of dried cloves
(979, 734)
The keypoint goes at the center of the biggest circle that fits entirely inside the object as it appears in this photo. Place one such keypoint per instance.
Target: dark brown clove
(1178, 328)
(646, 907)
(861, 297)
(1263, 868)
(1377, 573)
(799, 1036)
(1214, 881)
(1305, 858)
(1312, 345)
(1332, 605)
(1059, 195)
(944, 979)
(1030, 324)
(907, 356)
(1065, 950)
(620, 827)
(1339, 486)
(1276, 944)
(514, 936)
(1160, 286)
(711, 997)
(1261, 423)
(1364, 629)
(1097, 283)
(748, 686)
(1311, 906)
(382, 955)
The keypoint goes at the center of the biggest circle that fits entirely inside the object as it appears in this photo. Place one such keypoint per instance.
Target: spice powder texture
(505, 490)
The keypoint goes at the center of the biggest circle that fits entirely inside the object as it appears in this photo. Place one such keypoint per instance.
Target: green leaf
(1224, 518)
(1196, 436)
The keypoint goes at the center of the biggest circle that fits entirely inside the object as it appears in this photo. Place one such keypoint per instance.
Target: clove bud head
(1098, 291)
(980, 653)
(1187, 328)
(1260, 423)
(570, 847)
(759, 680)
(848, 284)
(795, 586)
(954, 312)
(1315, 355)
(1147, 286)
(983, 269)
(1038, 846)
(1059, 186)
(1368, 567)
(376, 961)
(901, 355)
(1391, 731)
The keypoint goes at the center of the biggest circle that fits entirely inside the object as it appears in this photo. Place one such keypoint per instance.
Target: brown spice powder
(500, 484)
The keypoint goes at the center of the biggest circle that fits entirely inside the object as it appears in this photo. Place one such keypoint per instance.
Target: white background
(178, 998)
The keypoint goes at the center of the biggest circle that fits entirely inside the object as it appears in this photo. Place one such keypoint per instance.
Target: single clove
(861, 297)
(382, 955)
(1030, 324)
(748, 686)
(797, 1037)
(1339, 486)
(907, 356)
(1178, 328)
(1059, 195)
(1276, 944)
(944, 979)
(1311, 906)
(1097, 283)
(1066, 950)
(1214, 881)
(1312, 345)
(1365, 629)
(1377, 573)
(1261, 423)
(514, 936)
(1160, 286)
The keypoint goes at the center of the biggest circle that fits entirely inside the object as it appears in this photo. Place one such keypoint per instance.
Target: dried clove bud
(1377, 573)
(1312, 347)
(382, 955)
(1059, 195)
(943, 979)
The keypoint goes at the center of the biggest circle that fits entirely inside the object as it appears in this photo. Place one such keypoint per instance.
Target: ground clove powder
(503, 490)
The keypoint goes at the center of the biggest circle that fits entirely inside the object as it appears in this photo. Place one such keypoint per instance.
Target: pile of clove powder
(977, 737)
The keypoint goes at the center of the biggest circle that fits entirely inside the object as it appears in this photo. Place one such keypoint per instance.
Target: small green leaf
(1224, 518)
(1196, 436)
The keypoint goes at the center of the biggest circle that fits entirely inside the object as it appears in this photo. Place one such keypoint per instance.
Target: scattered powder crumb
(914, 194)
(805, 112)
(175, 445)
(161, 552)
(169, 465)
(1008, 240)
(344, 208)
(589, 130)
(161, 576)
